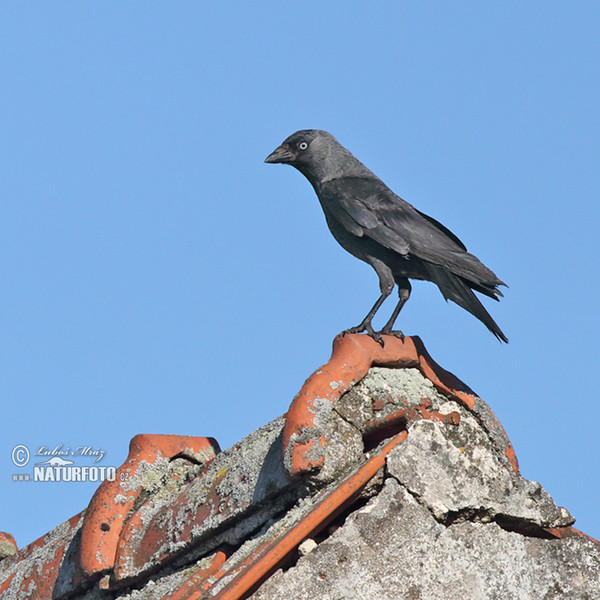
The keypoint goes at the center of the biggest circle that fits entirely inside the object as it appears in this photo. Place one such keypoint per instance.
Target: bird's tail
(455, 288)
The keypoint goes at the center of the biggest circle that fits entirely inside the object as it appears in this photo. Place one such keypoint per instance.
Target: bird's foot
(368, 329)
(396, 333)
(358, 329)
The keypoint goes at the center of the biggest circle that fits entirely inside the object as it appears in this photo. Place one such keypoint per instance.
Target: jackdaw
(380, 228)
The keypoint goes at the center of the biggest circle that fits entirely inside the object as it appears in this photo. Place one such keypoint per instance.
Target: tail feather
(455, 288)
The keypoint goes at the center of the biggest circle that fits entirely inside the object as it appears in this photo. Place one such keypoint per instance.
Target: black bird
(377, 226)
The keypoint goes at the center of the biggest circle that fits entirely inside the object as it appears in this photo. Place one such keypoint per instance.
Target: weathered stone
(394, 548)
(383, 391)
(456, 473)
(8, 546)
(344, 444)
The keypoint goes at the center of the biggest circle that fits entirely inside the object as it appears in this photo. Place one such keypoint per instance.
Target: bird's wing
(367, 207)
(350, 201)
(443, 229)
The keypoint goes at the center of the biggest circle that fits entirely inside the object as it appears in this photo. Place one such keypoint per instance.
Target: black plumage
(380, 228)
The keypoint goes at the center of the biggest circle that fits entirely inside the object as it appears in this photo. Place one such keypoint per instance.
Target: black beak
(280, 155)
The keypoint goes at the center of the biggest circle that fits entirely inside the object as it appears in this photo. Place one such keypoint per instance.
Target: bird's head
(318, 156)
(315, 153)
(301, 147)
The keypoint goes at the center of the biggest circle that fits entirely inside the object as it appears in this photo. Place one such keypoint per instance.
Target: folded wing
(367, 207)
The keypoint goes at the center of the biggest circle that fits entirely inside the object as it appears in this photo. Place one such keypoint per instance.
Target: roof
(185, 520)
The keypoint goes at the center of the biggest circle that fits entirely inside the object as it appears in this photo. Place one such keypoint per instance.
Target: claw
(375, 335)
(397, 333)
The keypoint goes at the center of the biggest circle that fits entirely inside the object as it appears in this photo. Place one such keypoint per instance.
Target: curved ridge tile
(113, 501)
(352, 357)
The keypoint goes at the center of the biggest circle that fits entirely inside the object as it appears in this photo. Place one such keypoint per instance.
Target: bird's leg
(404, 289)
(365, 324)
(386, 285)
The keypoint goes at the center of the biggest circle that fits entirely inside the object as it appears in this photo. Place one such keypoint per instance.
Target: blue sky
(159, 278)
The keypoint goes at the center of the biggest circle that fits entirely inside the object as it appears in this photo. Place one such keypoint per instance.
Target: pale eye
(303, 145)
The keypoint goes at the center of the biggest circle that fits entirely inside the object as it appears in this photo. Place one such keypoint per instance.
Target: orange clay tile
(569, 532)
(218, 495)
(113, 501)
(40, 580)
(132, 556)
(6, 584)
(353, 355)
(190, 586)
